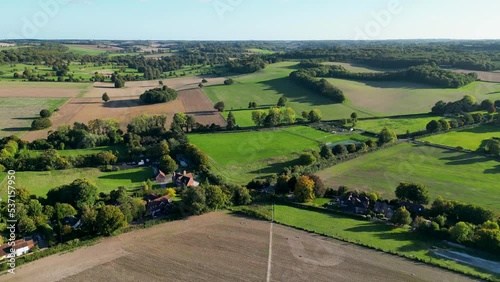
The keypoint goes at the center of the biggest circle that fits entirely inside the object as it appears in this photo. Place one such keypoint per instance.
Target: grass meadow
(471, 139)
(245, 155)
(40, 182)
(453, 175)
(399, 125)
(16, 114)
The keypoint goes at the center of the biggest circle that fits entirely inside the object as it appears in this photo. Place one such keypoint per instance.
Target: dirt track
(222, 247)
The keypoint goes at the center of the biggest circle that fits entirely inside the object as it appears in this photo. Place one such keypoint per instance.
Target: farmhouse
(20, 247)
(156, 205)
(354, 203)
(184, 179)
(383, 207)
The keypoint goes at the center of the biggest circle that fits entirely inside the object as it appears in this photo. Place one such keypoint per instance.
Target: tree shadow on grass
(295, 92)
(370, 227)
(493, 170)
(276, 167)
(136, 176)
(13, 129)
(464, 159)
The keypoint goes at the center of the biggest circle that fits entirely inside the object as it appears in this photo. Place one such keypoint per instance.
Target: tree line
(306, 78)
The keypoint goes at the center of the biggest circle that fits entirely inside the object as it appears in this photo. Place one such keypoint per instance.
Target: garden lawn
(40, 182)
(471, 139)
(453, 175)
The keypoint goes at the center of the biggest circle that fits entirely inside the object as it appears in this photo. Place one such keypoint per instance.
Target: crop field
(17, 114)
(399, 125)
(40, 182)
(92, 50)
(453, 175)
(369, 233)
(395, 98)
(260, 51)
(246, 155)
(471, 139)
(225, 247)
(265, 87)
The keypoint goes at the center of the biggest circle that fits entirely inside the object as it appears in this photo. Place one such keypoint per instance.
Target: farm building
(354, 203)
(156, 205)
(161, 178)
(184, 179)
(20, 247)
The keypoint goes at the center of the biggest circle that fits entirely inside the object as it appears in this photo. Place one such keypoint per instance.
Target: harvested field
(31, 92)
(223, 247)
(196, 103)
(483, 75)
(136, 88)
(125, 108)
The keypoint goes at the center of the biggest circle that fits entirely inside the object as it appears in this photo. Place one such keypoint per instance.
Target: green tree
(304, 189)
(289, 116)
(41, 123)
(219, 106)
(326, 152)
(461, 232)
(215, 198)
(401, 217)
(307, 159)
(167, 164)
(228, 81)
(387, 136)
(258, 117)
(354, 116)
(315, 115)
(106, 158)
(109, 219)
(231, 121)
(119, 83)
(195, 200)
(282, 101)
(487, 105)
(433, 126)
(45, 113)
(413, 192)
(105, 97)
(319, 186)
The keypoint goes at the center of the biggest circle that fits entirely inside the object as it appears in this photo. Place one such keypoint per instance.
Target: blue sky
(250, 19)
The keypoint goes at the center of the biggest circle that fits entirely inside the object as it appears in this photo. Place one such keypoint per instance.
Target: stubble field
(224, 247)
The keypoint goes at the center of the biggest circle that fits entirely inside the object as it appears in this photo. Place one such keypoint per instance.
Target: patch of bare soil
(32, 92)
(483, 75)
(197, 104)
(223, 247)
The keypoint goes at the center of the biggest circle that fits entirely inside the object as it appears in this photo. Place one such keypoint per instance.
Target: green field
(375, 235)
(78, 70)
(471, 139)
(84, 51)
(17, 114)
(40, 182)
(469, 178)
(397, 98)
(260, 51)
(245, 155)
(243, 117)
(120, 149)
(399, 125)
(352, 67)
(265, 87)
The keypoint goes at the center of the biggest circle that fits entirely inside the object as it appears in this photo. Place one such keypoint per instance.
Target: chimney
(184, 172)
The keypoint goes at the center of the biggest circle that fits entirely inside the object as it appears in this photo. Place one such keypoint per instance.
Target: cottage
(184, 179)
(20, 248)
(156, 205)
(71, 221)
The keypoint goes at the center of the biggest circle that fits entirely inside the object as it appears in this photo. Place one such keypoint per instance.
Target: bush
(119, 83)
(228, 81)
(307, 159)
(41, 123)
(45, 113)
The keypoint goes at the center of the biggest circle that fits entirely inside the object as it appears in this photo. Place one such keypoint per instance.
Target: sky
(250, 19)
